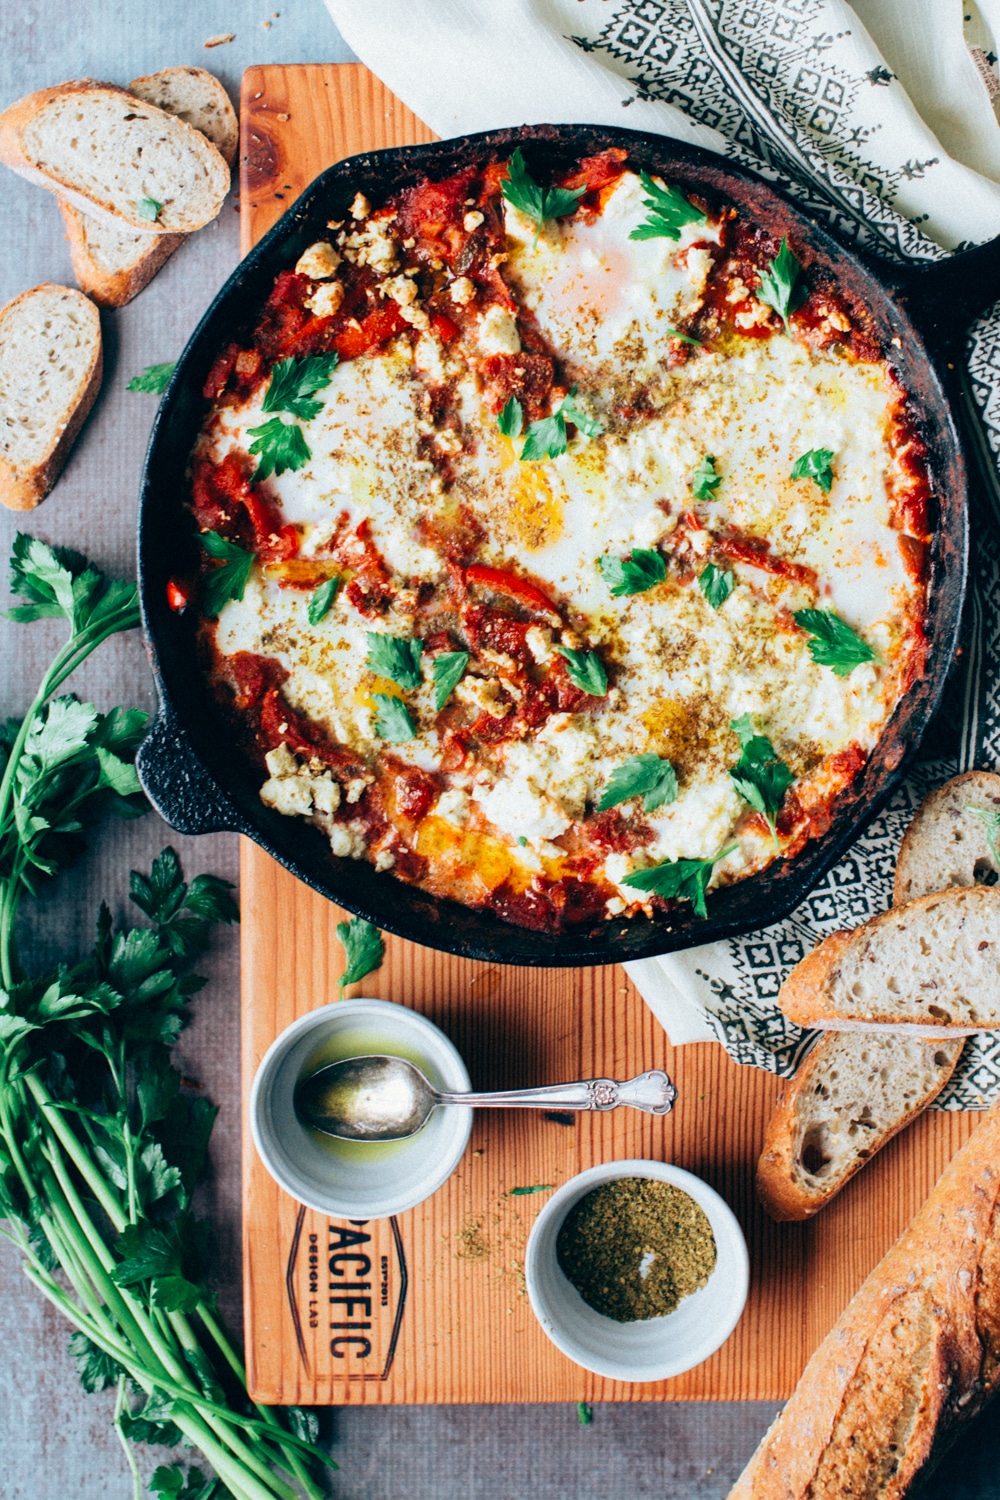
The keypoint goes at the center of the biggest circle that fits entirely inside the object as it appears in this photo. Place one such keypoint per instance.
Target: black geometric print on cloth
(768, 76)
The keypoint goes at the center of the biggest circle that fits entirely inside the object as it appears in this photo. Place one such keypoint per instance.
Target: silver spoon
(388, 1098)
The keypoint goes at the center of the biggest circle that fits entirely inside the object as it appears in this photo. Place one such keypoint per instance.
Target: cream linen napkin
(880, 117)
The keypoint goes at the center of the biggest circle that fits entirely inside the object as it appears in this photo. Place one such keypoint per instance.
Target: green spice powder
(634, 1248)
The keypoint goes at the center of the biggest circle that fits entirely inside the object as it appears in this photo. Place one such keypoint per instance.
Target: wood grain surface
(466, 1332)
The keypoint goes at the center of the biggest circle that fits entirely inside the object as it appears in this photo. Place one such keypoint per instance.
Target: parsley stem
(116, 1422)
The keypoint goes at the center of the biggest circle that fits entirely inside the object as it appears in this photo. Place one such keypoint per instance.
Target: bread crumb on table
(221, 39)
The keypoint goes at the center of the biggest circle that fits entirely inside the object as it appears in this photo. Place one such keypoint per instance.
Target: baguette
(948, 843)
(915, 1355)
(197, 97)
(112, 263)
(112, 155)
(50, 373)
(929, 968)
(848, 1099)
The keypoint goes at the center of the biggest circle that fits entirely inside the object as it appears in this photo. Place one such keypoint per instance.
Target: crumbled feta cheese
(360, 208)
(326, 299)
(699, 263)
(288, 794)
(472, 221)
(539, 642)
(753, 316)
(498, 332)
(463, 291)
(384, 859)
(281, 762)
(482, 693)
(402, 290)
(348, 840)
(319, 262)
(374, 246)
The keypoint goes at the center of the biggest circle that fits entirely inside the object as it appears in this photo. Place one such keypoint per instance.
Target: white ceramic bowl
(653, 1348)
(357, 1179)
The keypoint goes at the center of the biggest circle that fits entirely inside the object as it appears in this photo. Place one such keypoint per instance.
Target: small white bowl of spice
(637, 1270)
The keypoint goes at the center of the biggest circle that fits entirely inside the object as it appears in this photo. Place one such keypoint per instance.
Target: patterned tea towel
(880, 118)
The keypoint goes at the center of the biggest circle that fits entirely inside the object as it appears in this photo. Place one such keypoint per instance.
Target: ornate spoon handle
(652, 1092)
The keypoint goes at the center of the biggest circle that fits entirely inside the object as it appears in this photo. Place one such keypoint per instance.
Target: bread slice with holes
(929, 968)
(954, 838)
(197, 97)
(112, 263)
(113, 155)
(50, 373)
(851, 1095)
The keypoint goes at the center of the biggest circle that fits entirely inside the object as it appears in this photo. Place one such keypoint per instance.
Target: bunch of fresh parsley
(100, 1143)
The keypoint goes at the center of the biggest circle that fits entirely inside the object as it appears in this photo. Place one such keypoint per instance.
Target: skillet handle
(177, 783)
(944, 296)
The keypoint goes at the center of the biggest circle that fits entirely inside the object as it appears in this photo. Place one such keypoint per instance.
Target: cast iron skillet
(188, 765)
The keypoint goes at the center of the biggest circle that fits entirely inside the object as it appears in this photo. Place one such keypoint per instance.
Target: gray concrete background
(56, 1442)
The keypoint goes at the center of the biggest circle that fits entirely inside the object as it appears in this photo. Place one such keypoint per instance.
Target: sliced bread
(197, 96)
(953, 839)
(852, 1094)
(930, 967)
(50, 373)
(112, 265)
(116, 157)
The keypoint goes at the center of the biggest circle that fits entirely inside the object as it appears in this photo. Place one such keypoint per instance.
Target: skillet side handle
(178, 785)
(946, 295)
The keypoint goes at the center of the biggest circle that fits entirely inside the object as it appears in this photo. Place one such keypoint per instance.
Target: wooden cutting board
(431, 1307)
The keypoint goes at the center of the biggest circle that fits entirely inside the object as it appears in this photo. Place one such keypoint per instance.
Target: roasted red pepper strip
(178, 595)
(371, 333)
(443, 326)
(515, 587)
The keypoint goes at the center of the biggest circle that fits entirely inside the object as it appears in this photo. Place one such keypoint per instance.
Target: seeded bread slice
(947, 844)
(50, 373)
(849, 1098)
(112, 265)
(113, 155)
(930, 968)
(197, 96)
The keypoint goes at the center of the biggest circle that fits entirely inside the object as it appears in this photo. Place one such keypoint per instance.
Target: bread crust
(113, 288)
(914, 1356)
(22, 112)
(23, 489)
(778, 1185)
(804, 996)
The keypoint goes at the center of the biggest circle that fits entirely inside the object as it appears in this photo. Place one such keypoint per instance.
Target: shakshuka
(563, 541)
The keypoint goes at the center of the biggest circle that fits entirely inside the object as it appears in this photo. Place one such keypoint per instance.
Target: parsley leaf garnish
(321, 600)
(705, 478)
(447, 668)
(586, 671)
(634, 574)
(547, 437)
(833, 643)
(511, 419)
(294, 383)
(685, 338)
(228, 581)
(584, 1413)
(990, 820)
(667, 212)
(816, 464)
(716, 585)
(148, 208)
(781, 285)
(278, 446)
(154, 378)
(647, 776)
(760, 777)
(574, 413)
(395, 657)
(679, 879)
(392, 720)
(536, 1187)
(364, 950)
(537, 203)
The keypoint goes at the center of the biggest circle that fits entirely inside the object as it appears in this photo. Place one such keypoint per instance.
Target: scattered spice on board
(635, 1247)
